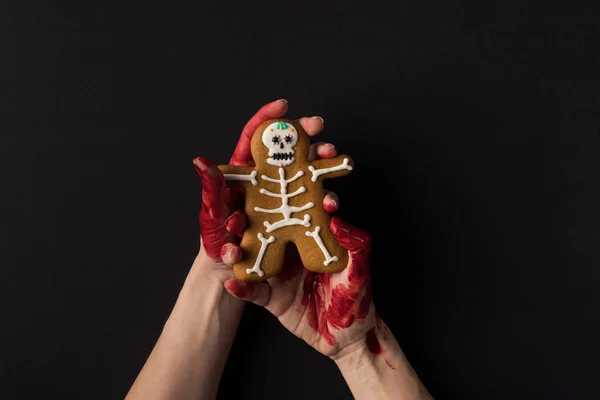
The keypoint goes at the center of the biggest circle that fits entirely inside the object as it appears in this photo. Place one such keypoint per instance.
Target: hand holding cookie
(222, 219)
(283, 202)
(328, 311)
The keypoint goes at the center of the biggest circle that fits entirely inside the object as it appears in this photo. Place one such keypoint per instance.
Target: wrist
(190, 354)
(203, 298)
(353, 358)
(376, 368)
(206, 271)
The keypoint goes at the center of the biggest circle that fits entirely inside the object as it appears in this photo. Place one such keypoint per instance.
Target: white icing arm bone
(237, 177)
(322, 171)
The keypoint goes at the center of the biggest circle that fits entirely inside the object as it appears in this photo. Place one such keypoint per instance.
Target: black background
(482, 120)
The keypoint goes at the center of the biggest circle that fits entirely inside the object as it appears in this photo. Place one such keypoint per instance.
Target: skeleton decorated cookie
(284, 203)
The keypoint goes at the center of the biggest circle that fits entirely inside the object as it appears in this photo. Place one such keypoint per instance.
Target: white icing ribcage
(300, 190)
(281, 176)
(285, 209)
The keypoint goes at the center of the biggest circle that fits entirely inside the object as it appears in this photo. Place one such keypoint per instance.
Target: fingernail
(198, 163)
(321, 118)
(284, 100)
(224, 251)
(205, 167)
(230, 253)
(326, 150)
(230, 224)
(203, 163)
(331, 205)
(199, 166)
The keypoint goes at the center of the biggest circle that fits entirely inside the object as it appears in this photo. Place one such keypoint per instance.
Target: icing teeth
(283, 156)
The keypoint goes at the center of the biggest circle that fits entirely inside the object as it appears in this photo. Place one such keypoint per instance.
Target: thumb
(214, 190)
(215, 207)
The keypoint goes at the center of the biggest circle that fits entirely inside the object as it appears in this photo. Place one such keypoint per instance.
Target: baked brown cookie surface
(284, 203)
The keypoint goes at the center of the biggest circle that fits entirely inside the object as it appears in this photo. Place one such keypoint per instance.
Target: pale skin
(188, 358)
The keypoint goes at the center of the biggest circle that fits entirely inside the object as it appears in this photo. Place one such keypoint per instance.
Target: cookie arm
(239, 176)
(330, 167)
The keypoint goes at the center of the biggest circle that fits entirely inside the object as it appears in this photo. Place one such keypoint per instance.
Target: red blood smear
(236, 222)
(373, 343)
(386, 333)
(390, 365)
(365, 303)
(316, 311)
(236, 288)
(330, 308)
(322, 315)
(359, 269)
(215, 206)
(339, 312)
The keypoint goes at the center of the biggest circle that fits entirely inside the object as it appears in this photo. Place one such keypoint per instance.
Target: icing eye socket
(275, 139)
(288, 138)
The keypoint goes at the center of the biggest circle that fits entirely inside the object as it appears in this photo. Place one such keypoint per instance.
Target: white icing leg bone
(263, 247)
(315, 235)
(322, 171)
(236, 177)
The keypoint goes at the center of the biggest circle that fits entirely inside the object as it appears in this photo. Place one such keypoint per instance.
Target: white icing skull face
(280, 138)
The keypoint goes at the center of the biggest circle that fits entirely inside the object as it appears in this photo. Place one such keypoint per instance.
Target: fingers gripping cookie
(284, 202)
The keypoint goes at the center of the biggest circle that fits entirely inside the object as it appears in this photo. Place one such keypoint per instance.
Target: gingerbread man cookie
(284, 203)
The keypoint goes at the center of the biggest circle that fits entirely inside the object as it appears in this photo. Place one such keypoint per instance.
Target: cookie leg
(262, 256)
(261, 253)
(316, 235)
(321, 252)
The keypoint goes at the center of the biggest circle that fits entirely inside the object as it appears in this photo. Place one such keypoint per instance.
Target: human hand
(222, 219)
(331, 312)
